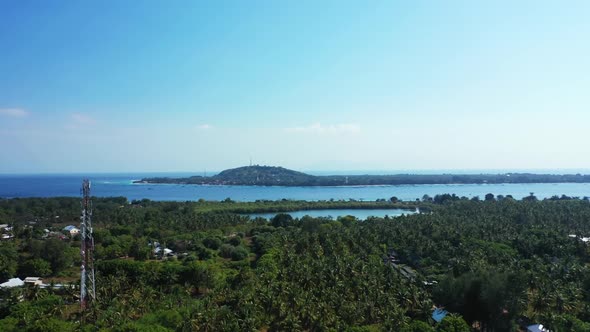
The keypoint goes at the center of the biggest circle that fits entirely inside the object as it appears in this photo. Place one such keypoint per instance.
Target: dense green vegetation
(492, 263)
(279, 176)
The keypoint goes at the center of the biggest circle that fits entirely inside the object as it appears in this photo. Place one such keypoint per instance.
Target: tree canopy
(491, 263)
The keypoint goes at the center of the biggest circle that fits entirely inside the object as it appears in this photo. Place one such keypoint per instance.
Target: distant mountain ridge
(279, 176)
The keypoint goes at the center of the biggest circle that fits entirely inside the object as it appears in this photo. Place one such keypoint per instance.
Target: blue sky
(118, 86)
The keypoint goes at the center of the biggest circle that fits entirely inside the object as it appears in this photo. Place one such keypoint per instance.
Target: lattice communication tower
(87, 281)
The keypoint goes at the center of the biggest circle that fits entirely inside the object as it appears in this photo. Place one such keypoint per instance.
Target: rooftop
(14, 282)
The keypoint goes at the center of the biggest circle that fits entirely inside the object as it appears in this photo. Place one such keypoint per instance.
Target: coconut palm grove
(491, 264)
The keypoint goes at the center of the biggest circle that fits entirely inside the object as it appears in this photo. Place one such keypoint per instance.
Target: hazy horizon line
(425, 171)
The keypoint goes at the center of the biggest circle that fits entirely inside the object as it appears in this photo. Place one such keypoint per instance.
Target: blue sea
(105, 185)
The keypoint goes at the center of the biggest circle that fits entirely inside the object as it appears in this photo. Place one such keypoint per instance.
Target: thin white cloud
(13, 112)
(318, 128)
(82, 119)
(204, 126)
(79, 121)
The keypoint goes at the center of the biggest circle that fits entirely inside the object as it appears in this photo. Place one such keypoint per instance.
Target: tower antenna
(87, 280)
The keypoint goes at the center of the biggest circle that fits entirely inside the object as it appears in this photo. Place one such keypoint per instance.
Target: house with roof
(14, 282)
(584, 239)
(536, 328)
(165, 251)
(5, 232)
(73, 230)
(33, 281)
(438, 314)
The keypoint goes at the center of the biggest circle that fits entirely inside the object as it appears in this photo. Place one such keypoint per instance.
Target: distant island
(279, 176)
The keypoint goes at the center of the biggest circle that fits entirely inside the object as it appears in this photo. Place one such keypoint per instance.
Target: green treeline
(492, 263)
(279, 176)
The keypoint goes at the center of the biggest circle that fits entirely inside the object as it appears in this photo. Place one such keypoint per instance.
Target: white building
(33, 281)
(167, 251)
(73, 230)
(536, 328)
(14, 282)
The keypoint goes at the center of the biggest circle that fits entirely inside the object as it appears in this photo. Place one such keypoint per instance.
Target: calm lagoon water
(358, 213)
(104, 185)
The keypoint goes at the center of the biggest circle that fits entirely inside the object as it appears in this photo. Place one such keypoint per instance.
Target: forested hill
(247, 175)
(265, 175)
(279, 176)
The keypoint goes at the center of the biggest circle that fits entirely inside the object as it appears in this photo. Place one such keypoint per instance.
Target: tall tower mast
(87, 281)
